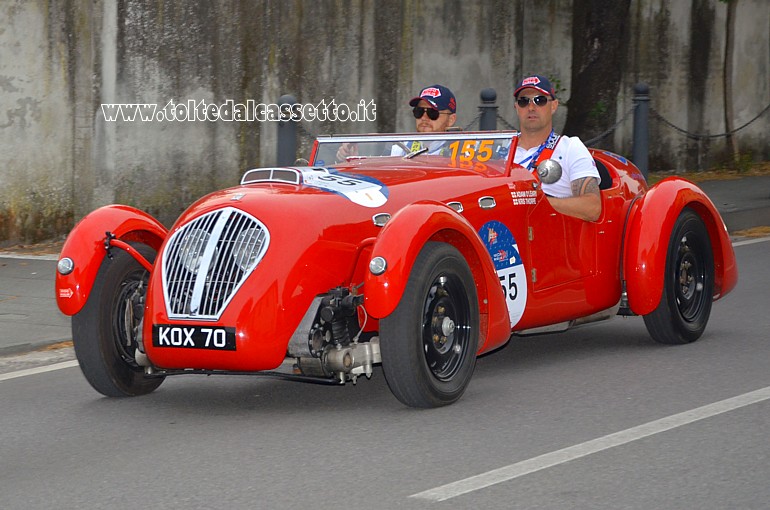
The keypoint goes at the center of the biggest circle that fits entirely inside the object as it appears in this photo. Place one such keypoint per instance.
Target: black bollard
(641, 152)
(287, 133)
(488, 109)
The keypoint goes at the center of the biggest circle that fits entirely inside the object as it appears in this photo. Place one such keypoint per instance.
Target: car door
(562, 248)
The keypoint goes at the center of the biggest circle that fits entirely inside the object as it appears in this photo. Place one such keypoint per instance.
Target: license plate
(194, 337)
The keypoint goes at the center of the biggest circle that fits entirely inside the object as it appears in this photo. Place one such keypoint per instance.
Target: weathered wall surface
(60, 60)
(36, 122)
(677, 47)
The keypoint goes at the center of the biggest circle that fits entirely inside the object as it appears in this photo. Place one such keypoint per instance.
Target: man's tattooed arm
(585, 186)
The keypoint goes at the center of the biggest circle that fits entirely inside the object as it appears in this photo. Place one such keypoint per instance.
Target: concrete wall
(36, 121)
(60, 60)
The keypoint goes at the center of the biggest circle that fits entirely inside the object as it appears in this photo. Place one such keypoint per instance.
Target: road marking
(38, 370)
(545, 461)
(751, 241)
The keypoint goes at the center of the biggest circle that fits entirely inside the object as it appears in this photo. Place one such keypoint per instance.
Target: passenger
(434, 110)
(576, 193)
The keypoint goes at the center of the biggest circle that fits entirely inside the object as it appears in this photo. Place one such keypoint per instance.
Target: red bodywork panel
(650, 225)
(400, 243)
(85, 246)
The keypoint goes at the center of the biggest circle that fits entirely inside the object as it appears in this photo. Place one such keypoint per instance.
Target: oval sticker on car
(355, 189)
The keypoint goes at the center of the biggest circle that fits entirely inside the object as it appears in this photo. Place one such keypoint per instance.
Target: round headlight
(65, 266)
(248, 247)
(191, 249)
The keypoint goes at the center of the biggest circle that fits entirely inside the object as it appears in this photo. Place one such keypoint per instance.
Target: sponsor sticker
(360, 191)
(504, 251)
(524, 197)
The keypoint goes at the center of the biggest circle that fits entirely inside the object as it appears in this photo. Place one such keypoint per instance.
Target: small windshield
(462, 147)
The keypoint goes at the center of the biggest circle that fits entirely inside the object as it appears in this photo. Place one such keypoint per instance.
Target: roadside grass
(752, 232)
(762, 168)
(56, 346)
(51, 247)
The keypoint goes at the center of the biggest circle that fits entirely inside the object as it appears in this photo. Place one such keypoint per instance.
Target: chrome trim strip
(206, 259)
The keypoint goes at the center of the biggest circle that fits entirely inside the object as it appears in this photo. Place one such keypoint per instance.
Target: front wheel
(688, 287)
(430, 340)
(105, 331)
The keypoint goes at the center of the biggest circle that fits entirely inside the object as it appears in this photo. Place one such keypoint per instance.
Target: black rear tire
(429, 342)
(105, 331)
(688, 288)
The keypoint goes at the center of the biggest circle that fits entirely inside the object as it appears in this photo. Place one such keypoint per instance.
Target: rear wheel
(105, 331)
(429, 342)
(688, 288)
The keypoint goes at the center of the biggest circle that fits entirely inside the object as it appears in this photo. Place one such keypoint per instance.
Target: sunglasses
(523, 101)
(432, 112)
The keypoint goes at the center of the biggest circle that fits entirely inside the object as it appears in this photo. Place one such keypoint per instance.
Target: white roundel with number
(368, 193)
(510, 268)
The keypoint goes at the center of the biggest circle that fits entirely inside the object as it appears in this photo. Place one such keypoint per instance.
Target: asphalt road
(595, 418)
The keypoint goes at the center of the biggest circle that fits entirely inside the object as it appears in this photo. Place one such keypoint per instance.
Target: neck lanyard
(533, 158)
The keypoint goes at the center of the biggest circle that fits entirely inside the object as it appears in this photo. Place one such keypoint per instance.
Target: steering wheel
(404, 147)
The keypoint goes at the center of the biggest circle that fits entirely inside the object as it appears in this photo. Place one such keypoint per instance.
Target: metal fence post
(287, 134)
(641, 152)
(488, 109)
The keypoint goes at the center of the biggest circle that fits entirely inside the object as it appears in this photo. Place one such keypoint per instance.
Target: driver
(576, 193)
(434, 110)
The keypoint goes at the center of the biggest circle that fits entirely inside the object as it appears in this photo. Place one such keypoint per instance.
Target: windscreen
(457, 147)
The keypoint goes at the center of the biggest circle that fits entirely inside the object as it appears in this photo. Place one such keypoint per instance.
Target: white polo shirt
(575, 160)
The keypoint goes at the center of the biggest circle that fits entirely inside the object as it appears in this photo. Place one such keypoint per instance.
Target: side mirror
(549, 171)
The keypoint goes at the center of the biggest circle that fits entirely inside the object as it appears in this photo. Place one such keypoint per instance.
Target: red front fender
(400, 242)
(648, 232)
(85, 246)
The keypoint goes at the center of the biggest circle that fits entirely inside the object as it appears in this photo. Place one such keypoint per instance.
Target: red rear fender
(85, 246)
(648, 232)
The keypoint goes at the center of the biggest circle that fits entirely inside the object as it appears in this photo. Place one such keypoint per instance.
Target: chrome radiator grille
(207, 260)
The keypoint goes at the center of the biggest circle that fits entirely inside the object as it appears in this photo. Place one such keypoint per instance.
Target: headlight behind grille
(207, 260)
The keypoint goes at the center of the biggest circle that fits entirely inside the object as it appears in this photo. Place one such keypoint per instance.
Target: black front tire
(429, 342)
(105, 331)
(688, 288)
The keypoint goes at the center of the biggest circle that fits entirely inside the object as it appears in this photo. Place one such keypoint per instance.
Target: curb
(26, 348)
(745, 219)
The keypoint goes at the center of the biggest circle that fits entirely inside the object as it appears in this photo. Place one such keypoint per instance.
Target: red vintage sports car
(403, 255)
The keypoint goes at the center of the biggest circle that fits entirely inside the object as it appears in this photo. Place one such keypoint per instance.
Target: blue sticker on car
(502, 247)
(616, 156)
